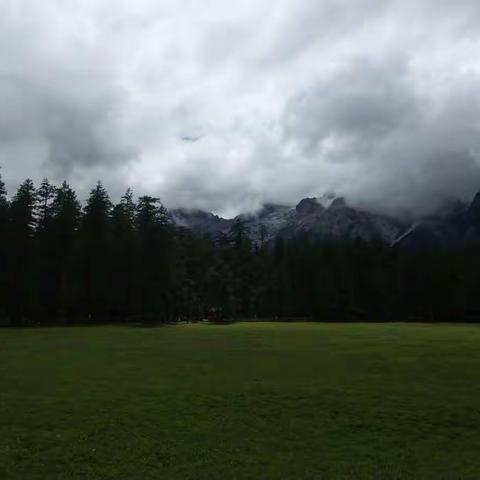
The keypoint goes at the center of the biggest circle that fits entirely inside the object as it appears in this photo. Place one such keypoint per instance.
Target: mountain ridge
(327, 216)
(331, 217)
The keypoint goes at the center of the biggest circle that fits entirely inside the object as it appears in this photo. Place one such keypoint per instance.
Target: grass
(244, 401)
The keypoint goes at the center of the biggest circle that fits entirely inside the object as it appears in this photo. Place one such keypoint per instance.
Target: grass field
(244, 401)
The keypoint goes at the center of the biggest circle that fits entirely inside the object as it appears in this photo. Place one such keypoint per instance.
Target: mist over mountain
(332, 218)
(224, 108)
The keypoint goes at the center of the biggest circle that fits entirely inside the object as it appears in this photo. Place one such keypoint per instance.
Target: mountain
(324, 217)
(339, 220)
(330, 217)
(455, 223)
(200, 221)
(270, 219)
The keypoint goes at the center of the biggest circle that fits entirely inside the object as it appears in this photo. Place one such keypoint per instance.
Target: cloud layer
(223, 107)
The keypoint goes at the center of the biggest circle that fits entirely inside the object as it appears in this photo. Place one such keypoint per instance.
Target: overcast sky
(224, 105)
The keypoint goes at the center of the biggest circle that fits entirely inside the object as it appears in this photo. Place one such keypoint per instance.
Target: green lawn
(259, 401)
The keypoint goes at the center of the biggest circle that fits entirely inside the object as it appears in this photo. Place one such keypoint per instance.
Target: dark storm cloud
(75, 129)
(377, 100)
(58, 98)
(360, 104)
(396, 147)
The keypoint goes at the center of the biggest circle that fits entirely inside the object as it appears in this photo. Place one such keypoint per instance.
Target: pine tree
(4, 253)
(156, 260)
(21, 265)
(44, 277)
(4, 204)
(23, 210)
(242, 300)
(95, 237)
(64, 229)
(262, 235)
(124, 257)
(44, 197)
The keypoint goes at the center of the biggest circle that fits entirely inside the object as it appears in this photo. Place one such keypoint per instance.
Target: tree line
(64, 263)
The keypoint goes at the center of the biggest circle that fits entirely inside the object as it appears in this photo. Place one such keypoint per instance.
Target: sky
(226, 105)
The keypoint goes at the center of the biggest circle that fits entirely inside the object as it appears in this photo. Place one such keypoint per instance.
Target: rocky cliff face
(339, 220)
(455, 223)
(200, 221)
(330, 217)
(324, 217)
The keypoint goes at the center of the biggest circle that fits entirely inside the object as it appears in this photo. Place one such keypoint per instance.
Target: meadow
(241, 401)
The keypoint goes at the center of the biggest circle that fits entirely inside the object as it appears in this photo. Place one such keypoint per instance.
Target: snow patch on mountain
(327, 216)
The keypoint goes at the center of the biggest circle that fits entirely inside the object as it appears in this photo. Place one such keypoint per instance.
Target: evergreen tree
(262, 235)
(44, 197)
(4, 250)
(95, 238)
(129, 262)
(124, 257)
(241, 264)
(65, 221)
(21, 253)
(44, 251)
(155, 260)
